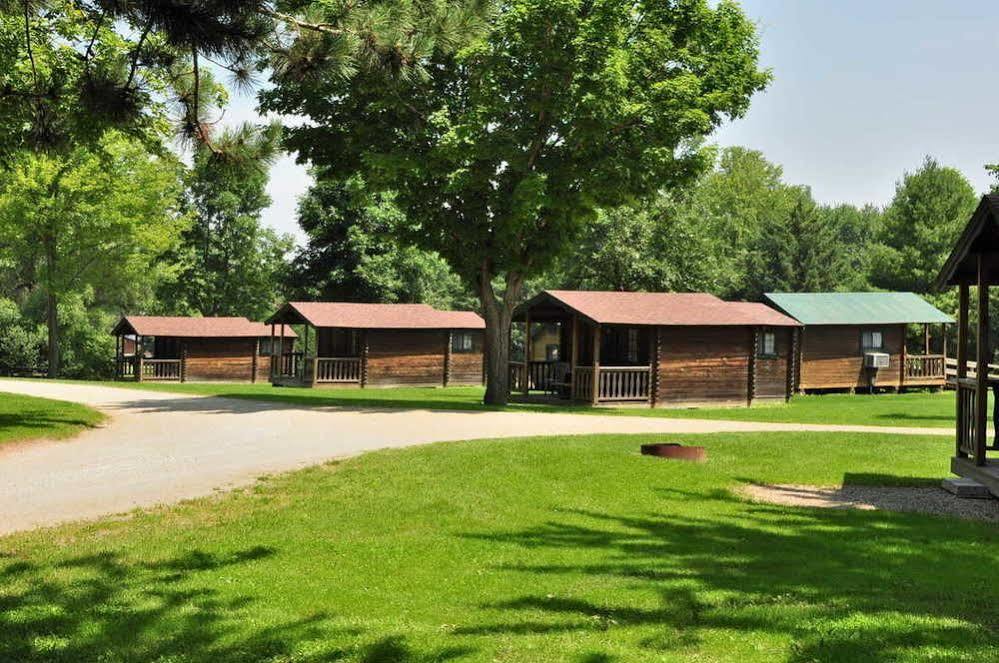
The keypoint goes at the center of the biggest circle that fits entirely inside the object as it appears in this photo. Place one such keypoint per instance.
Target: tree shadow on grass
(836, 585)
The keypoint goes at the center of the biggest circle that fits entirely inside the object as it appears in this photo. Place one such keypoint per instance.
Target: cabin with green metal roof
(858, 340)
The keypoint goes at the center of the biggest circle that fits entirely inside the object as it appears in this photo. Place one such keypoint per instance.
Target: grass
(26, 417)
(921, 408)
(542, 549)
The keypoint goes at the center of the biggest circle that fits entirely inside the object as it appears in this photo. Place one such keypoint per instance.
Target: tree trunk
(52, 313)
(498, 313)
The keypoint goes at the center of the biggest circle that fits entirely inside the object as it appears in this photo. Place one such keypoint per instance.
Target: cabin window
(461, 342)
(632, 346)
(768, 344)
(264, 349)
(872, 340)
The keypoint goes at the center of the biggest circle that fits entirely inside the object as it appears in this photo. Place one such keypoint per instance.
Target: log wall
(831, 357)
(415, 358)
(771, 372)
(220, 358)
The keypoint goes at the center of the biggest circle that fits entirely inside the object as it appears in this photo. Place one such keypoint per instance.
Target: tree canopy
(500, 151)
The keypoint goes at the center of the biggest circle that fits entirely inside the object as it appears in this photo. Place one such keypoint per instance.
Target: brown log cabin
(179, 349)
(663, 349)
(846, 335)
(378, 345)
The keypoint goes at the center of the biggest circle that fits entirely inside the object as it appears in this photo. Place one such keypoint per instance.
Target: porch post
(305, 347)
(655, 355)
(754, 345)
(256, 360)
(526, 387)
(595, 396)
(139, 352)
(926, 338)
(272, 353)
(982, 369)
(962, 359)
(448, 338)
(183, 361)
(903, 360)
(364, 357)
(574, 355)
(281, 351)
(117, 356)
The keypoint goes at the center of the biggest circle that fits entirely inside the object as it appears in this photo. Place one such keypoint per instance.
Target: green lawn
(25, 418)
(908, 409)
(543, 549)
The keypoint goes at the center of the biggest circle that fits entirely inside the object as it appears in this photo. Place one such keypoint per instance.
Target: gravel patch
(930, 500)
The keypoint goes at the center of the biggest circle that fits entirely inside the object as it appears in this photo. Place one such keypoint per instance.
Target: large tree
(231, 263)
(500, 151)
(97, 219)
(353, 252)
(919, 227)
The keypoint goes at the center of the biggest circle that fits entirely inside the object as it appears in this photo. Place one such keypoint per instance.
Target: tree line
(465, 152)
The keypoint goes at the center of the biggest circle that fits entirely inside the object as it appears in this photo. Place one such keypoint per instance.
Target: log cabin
(176, 348)
(660, 349)
(859, 340)
(378, 345)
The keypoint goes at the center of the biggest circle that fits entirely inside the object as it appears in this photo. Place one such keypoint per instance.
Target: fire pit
(675, 451)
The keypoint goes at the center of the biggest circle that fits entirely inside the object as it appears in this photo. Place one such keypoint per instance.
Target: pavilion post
(595, 395)
(926, 338)
(962, 361)
(983, 357)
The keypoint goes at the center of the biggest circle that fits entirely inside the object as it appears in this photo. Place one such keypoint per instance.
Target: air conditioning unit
(876, 360)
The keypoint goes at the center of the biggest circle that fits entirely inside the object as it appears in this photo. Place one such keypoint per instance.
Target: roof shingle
(191, 327)
(381, 316)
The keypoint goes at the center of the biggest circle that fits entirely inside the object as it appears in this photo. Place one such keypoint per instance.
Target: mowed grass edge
(24, 418)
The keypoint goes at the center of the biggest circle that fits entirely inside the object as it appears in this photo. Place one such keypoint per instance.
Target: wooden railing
(517, 376)
(161, 369)
(967, 400)
(288, 365)
(126, 368)
(624, 383)
(338, 369)
(924, 367)
(950, 369)
(582, 377)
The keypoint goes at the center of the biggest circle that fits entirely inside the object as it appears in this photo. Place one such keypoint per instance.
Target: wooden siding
(831, 357)
(466, 367)
(771, 372)
(220, 358)
(416, 358)
(704, 364)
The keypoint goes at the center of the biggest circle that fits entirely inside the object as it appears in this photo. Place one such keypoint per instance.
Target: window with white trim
(872, 339)
(768, 344)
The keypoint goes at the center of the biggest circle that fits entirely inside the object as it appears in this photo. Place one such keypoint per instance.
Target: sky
(863, 91)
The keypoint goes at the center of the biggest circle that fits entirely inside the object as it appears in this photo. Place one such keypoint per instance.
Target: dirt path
(163, 447)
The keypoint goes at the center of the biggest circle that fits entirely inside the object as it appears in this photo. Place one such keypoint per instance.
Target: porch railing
(624, 383)
(126, 368)
(287, 365)
(338, 369)
(582, 378)
(924, 367)
(161, 369)
(967, 431)
(517, 376)
(950, 369)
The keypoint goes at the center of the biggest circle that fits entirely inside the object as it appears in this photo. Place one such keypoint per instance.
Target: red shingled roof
(377, 316)
(191, 327)
(664, 308)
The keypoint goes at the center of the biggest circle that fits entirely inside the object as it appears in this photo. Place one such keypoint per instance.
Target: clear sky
(863, 90)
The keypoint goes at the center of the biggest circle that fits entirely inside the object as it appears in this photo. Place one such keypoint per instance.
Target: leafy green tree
(230, 263)
(857, 230)
(89, 219)
(799, 253)
(919, 227)
(353, 253)
(499, 152)
(21, 339)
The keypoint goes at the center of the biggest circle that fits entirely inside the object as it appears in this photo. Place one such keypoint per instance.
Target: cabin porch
(149, 359)
(332, 357)
(568, 358)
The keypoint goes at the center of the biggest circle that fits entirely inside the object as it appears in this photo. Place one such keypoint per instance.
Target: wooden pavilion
(378, 345)
(654, 348)
(974, 261)
(857, 340)
(176, 348)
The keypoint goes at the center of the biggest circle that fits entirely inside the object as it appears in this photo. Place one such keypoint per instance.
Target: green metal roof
(856, 308)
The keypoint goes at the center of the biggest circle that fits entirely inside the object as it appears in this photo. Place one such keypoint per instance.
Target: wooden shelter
(856, 340)
(174, 348)
(656, 348)
(378, 345)
(975, 262)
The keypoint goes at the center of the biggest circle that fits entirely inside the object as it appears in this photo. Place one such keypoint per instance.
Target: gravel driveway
(163, 447)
